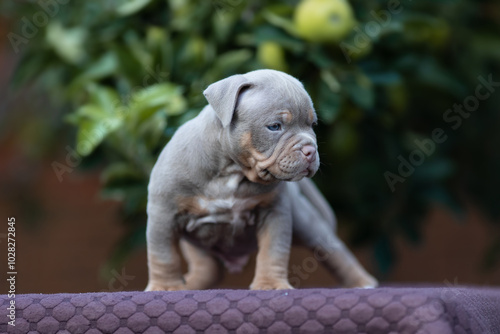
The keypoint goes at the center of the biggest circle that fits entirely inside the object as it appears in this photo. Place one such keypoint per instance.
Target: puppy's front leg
(274, 241)
(164, 261)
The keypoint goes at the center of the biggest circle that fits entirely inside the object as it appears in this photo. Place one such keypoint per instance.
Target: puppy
(235, 180)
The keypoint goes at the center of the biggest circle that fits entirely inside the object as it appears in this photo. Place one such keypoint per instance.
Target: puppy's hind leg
(204, 271)
(315, 227)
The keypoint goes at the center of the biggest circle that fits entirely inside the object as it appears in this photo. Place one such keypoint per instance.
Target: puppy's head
(267, 118)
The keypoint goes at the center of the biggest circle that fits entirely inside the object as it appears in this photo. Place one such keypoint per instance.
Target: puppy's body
(218, 190)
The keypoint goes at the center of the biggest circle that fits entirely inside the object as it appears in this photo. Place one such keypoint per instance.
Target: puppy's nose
(310, 152)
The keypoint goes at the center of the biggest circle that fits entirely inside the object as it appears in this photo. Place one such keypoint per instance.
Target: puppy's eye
(275, 127)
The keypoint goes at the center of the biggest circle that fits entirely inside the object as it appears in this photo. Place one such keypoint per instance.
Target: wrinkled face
(274, 132)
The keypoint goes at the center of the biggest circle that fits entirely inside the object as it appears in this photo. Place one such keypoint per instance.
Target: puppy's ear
(223, 95)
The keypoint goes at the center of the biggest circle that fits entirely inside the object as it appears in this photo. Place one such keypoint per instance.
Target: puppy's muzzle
(309, 152)
(300, 161)
(294, 158)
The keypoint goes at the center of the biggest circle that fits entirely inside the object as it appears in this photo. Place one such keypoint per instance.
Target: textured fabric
(383, 310)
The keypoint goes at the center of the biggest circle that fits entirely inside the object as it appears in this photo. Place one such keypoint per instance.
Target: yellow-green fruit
(324, 20)
(271, 55)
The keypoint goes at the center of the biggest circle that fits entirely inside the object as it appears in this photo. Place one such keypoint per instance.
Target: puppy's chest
(226, 199)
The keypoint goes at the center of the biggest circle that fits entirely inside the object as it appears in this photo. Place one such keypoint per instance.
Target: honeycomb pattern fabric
(383, 310)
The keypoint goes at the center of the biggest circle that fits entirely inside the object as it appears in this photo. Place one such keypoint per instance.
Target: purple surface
(383, 310)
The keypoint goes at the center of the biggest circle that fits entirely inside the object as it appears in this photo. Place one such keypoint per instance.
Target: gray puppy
(217, 192)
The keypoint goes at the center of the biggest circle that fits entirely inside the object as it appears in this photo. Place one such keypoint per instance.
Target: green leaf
(422, 28)
(128, 7)
(119, 172)
(328, 105)
(385, 78)
(281, 22)
(233, 59)
(97, 119)
(133, 194)
(224, 19)
(85, 113)
(92, 133)
(68, 43)
(227, 64)
(269, 33)
(320, 57)
(361, 91)
(103, 67)
(487, 45)
(151, 130)
(105, 98)
(433, 74)
(136, 47)
(330, 80)
(165, 96)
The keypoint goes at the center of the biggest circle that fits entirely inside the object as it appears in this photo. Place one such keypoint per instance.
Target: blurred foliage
(381, 76)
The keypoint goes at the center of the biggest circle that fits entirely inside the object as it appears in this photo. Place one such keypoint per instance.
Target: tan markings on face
(287, 116)
(247, 157)
(310, 116)
(256, 163)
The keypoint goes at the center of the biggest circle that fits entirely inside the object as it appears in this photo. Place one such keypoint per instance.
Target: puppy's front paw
(171, 286)
(365, 282)
(271, 284)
